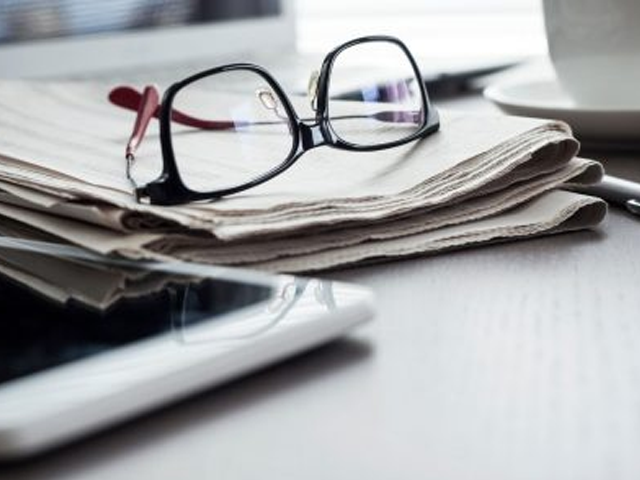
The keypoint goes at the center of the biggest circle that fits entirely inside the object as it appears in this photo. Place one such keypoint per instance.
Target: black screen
(23, 20)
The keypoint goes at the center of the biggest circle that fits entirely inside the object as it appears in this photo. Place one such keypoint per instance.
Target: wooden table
(514, 361)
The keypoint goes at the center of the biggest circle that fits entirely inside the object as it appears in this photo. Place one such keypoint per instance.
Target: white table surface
(514, 361)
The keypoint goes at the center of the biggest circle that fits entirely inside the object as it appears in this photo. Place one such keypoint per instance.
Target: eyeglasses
(230, 128)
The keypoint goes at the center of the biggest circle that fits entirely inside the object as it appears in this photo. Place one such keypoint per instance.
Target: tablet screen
(56, 310)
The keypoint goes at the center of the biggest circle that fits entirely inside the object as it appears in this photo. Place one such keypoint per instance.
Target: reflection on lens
(229, 129)
(369, 107)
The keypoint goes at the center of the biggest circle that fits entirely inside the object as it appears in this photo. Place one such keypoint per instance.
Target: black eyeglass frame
(170, 189)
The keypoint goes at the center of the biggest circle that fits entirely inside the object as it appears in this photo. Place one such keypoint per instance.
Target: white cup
(595, 50)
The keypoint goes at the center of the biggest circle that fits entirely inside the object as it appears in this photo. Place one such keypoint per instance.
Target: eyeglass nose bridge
(311, 136)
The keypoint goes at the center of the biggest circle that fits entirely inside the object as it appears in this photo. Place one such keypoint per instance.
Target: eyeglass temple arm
(146, 110)
(129, 98)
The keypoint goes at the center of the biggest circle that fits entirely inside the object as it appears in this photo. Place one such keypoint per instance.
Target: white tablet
(87, 342)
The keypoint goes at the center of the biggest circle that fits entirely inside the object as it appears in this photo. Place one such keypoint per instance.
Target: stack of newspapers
(480, 179)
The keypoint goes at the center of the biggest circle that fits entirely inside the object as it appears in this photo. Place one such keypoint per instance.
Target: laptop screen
(26, 20)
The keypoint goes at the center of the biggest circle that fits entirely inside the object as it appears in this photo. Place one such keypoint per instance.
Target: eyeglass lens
(237, 130)
(386, 102)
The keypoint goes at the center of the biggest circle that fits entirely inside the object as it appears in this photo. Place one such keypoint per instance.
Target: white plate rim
(592, 123)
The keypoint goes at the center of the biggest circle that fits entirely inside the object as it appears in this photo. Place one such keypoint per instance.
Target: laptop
(76, 38)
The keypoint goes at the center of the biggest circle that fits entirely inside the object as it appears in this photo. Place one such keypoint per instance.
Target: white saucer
(545, 99)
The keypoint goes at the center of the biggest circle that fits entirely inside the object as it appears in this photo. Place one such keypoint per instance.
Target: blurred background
(436, 27)
(57, 37)
(433, 28)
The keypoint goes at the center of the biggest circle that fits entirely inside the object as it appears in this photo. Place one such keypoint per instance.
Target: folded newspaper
(482, 178)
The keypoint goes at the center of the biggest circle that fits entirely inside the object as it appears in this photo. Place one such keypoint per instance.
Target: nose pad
(312, 90)
(270, 101)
